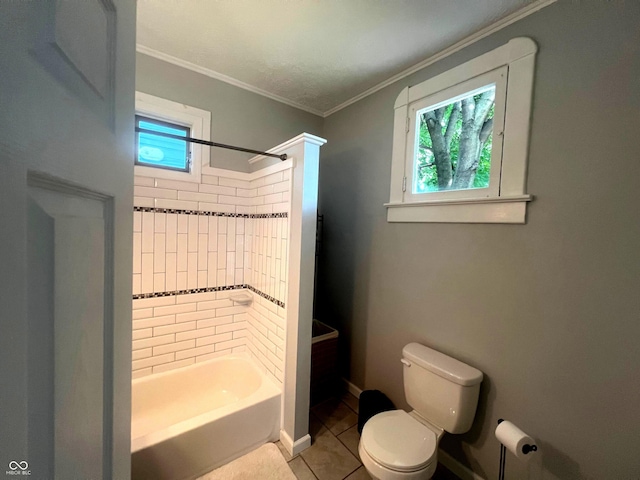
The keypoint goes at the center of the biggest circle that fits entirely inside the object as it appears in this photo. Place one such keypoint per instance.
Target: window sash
(497, 77)
(174, 126)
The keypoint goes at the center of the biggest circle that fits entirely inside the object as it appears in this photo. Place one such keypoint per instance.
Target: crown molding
(222, 77)
(480, 34)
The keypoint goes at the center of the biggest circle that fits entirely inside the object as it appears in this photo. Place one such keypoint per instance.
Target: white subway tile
(153, 341)
(136, 284)
(281, 207)
(170, 272)
(173, 347)
(143, 202)
(281, 187)
(141, 373)
(181, 259)
(222, 225)
(147, 232)
(245, 210)
(147, 273)
(212, 267)
(159, 258)
(233, 182)
(181, 280)
(153, 302)
(137, 221)
(203, 279)
(198, 197)
(230, 344)
(231, 268)
(174, 328)
(231, 327)
(286, 174)
(192, 235)
(241, 192)
(264, 209)
(209, 179)
(192, 316)
(176, 185)
(196, 297)
(266, 190)
(137, 252)
(222, 252)
(273, 198)
(183, 223)
(192, 270)
(143, 181)
(217, 190)
(215, 321)
(176, 204)
(159, 282)
(142, 333)
(230, 310)
(258, 182)
(203, 242)
(150, 362)
(171, 309)
(231, 231)
(208, 340)
(192, 352)
(172, 232)
(154, 192)
(228, 200)
(213, 304)
(138, 354)
(216, 207)
(154, 322)
(173, 365)
(209, 356)
(221, 277)
(212, 234)
(274, 178)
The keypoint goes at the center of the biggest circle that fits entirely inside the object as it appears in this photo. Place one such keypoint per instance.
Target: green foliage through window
(454, 144)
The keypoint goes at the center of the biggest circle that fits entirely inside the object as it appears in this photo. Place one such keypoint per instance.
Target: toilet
(443, 393)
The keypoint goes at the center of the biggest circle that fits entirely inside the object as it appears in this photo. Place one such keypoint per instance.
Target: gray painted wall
(550, 310)
(238, 117)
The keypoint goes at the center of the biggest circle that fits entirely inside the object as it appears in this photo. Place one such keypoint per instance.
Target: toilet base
(379, 472)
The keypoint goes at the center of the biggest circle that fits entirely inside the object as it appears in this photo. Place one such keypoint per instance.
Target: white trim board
(222, 77)
(465, 42)
(456, 467)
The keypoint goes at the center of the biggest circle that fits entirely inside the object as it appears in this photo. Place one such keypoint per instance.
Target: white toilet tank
(441, 389)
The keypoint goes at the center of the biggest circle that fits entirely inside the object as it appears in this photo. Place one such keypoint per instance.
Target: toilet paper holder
(526, 449)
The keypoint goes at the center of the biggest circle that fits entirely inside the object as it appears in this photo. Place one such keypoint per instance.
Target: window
(461, 139)
(159, 151)
(170, 158)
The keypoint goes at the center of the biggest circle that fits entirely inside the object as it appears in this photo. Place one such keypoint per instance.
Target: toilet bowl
(396, 445)
(443, 393)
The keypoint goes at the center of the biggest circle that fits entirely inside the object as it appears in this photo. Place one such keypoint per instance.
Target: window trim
(196, 119)
(509, 206)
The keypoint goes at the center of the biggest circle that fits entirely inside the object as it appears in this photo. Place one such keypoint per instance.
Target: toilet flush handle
(405, 362)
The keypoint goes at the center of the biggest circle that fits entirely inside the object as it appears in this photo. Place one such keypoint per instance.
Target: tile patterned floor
(333, 454)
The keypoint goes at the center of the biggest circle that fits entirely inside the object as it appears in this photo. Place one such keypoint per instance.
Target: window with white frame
(170, 157)
(461, 139)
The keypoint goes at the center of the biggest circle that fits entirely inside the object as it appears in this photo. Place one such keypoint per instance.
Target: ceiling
(315, 54)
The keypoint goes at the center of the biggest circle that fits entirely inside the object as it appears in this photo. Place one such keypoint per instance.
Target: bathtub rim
(267, 390)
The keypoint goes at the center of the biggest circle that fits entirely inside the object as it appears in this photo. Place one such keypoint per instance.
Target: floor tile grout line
(309, 467)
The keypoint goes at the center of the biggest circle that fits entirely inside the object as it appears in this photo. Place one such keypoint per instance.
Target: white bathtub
(188, 421)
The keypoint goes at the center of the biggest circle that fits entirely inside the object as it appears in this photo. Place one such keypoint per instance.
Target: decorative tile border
(210, 214)
(209, 289)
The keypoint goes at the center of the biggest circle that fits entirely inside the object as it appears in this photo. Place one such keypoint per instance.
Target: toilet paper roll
(514, 439)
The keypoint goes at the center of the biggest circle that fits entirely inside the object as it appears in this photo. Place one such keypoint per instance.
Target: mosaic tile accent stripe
(210, 214)
(209, 289)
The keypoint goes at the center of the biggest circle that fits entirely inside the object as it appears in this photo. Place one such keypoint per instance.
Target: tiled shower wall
(193, 245)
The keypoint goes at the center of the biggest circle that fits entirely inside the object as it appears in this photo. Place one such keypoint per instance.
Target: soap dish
(241, 298)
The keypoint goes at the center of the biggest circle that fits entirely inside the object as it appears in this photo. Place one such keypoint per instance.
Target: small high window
(170, 158)
(460, 141)
(159, 151)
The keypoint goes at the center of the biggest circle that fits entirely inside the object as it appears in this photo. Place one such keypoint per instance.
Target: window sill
(464, 210)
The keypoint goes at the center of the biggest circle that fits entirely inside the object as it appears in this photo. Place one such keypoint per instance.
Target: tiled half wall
(194, 245)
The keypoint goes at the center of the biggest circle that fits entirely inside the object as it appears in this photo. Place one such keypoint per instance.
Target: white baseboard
(296, 447)
(351, 388)
(456, 467)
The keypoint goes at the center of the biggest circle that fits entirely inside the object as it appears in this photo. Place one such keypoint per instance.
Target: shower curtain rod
(282, 157)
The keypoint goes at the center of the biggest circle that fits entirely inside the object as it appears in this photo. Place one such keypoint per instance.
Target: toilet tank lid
(442, 365)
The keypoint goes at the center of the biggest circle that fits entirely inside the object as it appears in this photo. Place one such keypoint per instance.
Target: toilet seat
(398, 441)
